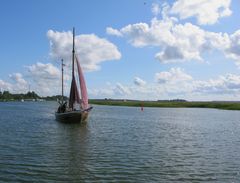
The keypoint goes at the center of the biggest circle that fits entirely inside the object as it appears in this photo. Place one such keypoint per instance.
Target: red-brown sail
(83, 88)
(74, 95)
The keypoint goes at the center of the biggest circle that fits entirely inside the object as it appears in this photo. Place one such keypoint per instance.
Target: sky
(145, 50)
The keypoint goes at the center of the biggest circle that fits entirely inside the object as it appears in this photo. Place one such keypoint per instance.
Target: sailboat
(76, 109)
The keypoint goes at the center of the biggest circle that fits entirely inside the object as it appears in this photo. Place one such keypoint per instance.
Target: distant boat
(76, 109)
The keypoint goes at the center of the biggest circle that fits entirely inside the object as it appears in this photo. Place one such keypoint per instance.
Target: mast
(74, 95)
(62, 80)
(73, 52)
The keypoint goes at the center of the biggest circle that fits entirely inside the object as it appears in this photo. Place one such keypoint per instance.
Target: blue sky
(128, 49)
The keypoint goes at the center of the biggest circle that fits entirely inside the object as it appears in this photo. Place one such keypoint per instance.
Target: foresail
(83, 87)
(74, 95)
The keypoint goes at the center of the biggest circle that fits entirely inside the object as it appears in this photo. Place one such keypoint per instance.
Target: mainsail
(74, 95)
(83, 88)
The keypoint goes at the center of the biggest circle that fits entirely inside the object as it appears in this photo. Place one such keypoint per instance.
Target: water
(119, 144)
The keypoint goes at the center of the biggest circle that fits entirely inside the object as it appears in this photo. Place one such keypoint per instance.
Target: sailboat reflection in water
(78, 108)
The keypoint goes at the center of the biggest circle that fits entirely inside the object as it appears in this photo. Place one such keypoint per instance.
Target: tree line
(31, 95)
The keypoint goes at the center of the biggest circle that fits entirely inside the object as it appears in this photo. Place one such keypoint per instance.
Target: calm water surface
(120, 144)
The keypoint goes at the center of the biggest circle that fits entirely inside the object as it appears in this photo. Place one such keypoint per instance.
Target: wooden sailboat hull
(72, 117)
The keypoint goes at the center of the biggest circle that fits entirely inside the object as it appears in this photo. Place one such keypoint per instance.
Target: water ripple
(119, 144)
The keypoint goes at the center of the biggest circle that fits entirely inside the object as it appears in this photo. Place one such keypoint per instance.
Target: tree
(6, 95)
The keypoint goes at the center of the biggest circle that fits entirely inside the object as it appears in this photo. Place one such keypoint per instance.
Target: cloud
(174, 75)
(155, 9)
(175, 83)
(45, 78)
(169, 54)
(20, 84)
(17, 85)
(121, 90)
(181, 42)
(41, 70)
(90, 49)
(227, 84)
(111, 91)
(157, 33)
(178, 42)
(206, 11)
(113, 32)
(102, 92)
(5, 86)
(18, 78)
(233, 48)
(139, 82)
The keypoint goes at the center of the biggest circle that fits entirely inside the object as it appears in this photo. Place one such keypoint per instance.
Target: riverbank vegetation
(29, 96)
(170, 104)
(178, 103)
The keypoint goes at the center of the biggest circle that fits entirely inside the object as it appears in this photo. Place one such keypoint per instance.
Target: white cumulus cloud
(20, 84)
(45, 78)
(233, 49)
(90, 49)
(177, 42)
(156, 9)
(172, 76)
(18, 78)
(17, 84)
(206, 11)
(156, 34)
(139, 82)
(5, 86)
(225, 84)
(122, 90)
(112, 31)
(175, 83)
(41, 70)
(181, 42)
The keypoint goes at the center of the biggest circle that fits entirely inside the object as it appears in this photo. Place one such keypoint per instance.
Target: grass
(169, 104)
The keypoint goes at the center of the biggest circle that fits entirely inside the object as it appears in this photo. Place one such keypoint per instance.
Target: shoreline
(231, 105)
(225, 105)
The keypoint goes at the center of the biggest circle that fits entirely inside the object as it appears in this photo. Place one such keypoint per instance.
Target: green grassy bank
(216, 105)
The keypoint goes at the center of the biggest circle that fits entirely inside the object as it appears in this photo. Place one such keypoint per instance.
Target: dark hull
(72, 117)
